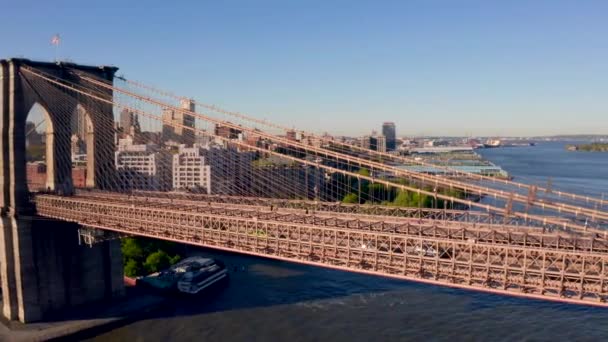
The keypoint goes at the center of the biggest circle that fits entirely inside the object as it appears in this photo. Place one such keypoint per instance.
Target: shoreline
(591, 147)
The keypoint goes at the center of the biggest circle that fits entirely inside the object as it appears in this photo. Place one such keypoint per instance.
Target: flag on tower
(55, 40)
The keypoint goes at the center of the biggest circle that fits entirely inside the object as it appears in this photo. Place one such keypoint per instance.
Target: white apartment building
(191, 170)
(213, 169)
(143, 167)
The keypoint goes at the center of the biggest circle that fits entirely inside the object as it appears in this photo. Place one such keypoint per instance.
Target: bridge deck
(352, 210)
(524, 262)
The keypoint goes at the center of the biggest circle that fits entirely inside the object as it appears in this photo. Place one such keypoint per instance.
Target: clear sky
(433, 67)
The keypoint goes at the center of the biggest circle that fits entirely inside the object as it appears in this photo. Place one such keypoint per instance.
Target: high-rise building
(129, 122)
(374, 142)
(80, 123)
(388, 131)
(126, 119)
(178, 132)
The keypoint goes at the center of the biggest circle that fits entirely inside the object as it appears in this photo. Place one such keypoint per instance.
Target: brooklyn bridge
(268, 190)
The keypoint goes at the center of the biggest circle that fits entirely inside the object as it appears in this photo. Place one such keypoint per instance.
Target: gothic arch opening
(82, 149)
(39, 149)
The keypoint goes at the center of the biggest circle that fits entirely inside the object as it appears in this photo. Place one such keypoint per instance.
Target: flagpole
(55, 41)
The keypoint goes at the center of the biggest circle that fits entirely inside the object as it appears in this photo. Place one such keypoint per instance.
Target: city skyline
(434, 69)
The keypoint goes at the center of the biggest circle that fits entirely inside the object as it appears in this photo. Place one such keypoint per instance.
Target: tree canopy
(351, 198)
(142, 256)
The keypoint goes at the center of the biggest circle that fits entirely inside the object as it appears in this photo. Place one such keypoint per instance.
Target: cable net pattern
(130, 139)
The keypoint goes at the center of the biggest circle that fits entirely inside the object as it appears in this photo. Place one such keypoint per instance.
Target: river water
(279, 301)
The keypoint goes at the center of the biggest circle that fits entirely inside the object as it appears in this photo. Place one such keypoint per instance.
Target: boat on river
(190, 276)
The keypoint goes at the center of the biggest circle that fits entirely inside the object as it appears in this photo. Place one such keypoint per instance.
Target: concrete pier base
(45, 270)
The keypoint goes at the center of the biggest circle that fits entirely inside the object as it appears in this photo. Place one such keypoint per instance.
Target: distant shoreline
(593, 147)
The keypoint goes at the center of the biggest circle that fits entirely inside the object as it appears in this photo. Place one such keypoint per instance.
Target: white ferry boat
(191, 275)
(201, 273)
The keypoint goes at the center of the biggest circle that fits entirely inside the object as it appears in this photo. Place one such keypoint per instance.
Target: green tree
(364, 172)
(403, 199)
(131, 250)
(142, 255)
(441, 203)
(362, 185)
(351, 198)
(157, 261)
(176, 258)
(133, 268)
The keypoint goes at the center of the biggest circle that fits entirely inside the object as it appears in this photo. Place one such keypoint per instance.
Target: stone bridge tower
(43, 268)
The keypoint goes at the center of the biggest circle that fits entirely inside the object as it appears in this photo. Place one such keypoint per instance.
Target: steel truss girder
(559, 271)
(478, 217)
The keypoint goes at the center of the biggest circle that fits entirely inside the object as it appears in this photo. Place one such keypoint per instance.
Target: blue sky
(433, 67)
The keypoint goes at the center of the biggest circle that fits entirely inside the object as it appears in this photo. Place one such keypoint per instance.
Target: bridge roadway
(473, 216)
(507, 259)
